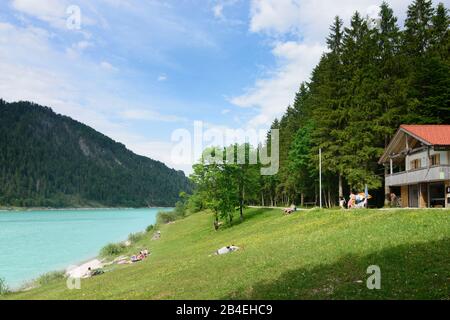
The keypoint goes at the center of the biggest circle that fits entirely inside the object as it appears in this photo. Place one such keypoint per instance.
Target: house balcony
(432, 174)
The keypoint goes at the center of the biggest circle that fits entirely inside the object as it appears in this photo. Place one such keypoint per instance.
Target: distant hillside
(49, 160)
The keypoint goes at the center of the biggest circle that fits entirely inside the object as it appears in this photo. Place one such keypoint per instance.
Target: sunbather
(290, 210)
(135, 259)
(226, 250)
(342, 203)
(352, 201)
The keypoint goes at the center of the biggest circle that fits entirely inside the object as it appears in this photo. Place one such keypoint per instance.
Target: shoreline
(79, 268)
(20, 209)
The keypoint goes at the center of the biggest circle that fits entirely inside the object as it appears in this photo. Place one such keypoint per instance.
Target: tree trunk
(330, 203)
(302, 199)
(216, 222)
(387, 190)
(241, 198)
(241, 209)
(341, 189)
(315, 196)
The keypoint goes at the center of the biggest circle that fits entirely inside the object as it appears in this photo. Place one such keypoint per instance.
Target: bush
(3, 287)
(150, 228)
(112, 249)
(135, 237)
(195, 203)
(165, 217)
(180, 209)
(50, 277)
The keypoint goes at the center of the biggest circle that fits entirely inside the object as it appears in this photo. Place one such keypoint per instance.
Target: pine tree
(418, 33)
(334, 40)
(440, 32)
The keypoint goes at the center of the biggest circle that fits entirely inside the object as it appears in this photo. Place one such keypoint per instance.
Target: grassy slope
(310, 255)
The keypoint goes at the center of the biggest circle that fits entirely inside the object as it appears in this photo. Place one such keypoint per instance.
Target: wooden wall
(405, 196)
(447, 184)
(423, 196)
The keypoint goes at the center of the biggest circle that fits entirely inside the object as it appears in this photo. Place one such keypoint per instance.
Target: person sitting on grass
(290, 210)
(352, 201)
(342, 202)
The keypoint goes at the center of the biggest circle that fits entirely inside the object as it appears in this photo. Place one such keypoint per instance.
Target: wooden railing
(435, 173)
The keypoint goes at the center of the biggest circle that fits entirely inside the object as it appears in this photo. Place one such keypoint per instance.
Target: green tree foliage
(49, 160)
(373, 78)
(227, 179)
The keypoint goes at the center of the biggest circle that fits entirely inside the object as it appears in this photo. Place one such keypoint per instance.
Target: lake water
(35, 242)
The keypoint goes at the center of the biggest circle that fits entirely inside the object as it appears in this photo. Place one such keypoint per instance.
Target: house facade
(417, 163)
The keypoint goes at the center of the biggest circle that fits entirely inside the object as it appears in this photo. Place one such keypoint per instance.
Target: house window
(416, 164)
(435, 159)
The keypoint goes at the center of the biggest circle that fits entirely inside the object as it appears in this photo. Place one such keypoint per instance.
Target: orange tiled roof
(432, 134)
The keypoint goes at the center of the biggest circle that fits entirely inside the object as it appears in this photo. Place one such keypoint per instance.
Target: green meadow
(316, 254)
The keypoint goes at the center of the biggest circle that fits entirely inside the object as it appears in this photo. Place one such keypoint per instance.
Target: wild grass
(164, 217)
(318, 254)
(50, 277)
(136, 237)
(4, 289)
(112, 249)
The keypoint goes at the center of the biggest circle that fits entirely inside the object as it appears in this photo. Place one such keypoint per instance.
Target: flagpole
(320, 176)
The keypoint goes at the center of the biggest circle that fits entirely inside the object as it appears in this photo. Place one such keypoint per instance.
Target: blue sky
(137, 70)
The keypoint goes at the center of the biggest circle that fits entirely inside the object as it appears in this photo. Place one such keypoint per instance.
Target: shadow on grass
(249, 215)
(419, 271)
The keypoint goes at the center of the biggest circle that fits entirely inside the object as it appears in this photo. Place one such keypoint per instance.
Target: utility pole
(320, 176)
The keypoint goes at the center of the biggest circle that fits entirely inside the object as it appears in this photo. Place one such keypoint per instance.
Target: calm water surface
(36, 242)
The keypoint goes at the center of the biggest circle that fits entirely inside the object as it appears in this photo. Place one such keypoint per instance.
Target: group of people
(135, 258)
(141, 256)
(356, 201)
(290, 210)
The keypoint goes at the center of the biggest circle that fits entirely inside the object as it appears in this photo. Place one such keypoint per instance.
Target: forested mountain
(49, 160)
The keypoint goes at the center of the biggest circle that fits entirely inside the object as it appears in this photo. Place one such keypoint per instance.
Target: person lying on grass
(226, 250)
(93, 273)
(141, 256)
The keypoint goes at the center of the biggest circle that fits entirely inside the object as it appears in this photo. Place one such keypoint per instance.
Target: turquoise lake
(35, 242)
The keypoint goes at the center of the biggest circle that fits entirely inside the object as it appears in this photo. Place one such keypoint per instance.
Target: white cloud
(218, 11)
(306, 23)
(142, 114)
(51, 11)
(78, 48)
(159, 150)
(107, 66)
(311, 18)
(272, 94)
(162, 78)
(58, 83)
(274, 15)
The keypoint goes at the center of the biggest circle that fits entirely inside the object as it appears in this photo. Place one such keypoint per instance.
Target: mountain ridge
(52, 160)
